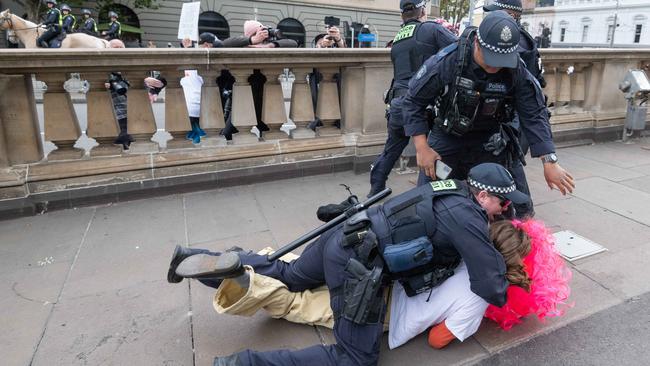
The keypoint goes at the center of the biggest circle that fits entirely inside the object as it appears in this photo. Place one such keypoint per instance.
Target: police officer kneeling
(476, 86)
(417, 238)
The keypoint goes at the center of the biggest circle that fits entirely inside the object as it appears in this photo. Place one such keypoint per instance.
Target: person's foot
(180, 253)
(190, 135)
(227, 265)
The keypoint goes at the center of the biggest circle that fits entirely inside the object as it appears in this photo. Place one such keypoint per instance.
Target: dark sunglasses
(504, 202)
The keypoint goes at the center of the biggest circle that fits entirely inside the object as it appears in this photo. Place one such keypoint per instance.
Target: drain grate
(573, 246)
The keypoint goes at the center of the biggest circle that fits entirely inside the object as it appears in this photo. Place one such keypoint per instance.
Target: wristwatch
(549, 158)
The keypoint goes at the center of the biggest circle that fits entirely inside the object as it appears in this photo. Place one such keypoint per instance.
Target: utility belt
(396, 93)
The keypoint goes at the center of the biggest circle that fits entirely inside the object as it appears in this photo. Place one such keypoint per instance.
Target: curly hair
(514, 245)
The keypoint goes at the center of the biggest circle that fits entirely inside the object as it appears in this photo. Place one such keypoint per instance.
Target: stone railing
(582, 87)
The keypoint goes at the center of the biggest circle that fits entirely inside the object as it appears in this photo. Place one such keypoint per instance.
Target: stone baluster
(243, 107)
(212, 120)
(328, 108)
(61, 123)
(273, 110)
(578, 87)
(18, 121)
(301, 111)
(141, 121)
(564, 93)
(177, 121)
(102, 125)
(550, 75)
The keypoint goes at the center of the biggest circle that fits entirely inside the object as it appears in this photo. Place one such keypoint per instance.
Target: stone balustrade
(582, 90)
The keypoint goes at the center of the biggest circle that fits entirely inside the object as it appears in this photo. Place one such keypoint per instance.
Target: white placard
(188, 26)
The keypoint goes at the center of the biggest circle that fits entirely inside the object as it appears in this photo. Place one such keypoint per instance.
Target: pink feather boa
(550, 276)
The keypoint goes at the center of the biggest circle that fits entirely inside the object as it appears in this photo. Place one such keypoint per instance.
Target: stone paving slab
(126, 244)
(144, 324)
(641, 184)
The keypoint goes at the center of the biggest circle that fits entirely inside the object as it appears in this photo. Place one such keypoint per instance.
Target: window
(215, 23)
(562, 34)
(293, 29)
(610, 33)
(637, 33)
(585, 32)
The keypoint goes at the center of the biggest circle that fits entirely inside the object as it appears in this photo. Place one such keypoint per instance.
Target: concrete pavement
(87, 286)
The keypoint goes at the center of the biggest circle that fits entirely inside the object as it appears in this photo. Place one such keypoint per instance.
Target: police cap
(404, 4)
(51, 1)
(85, 11)
(207, 37)
(65, 7)
(496, 179)
(514, 5)
(498, 35)
(112, 14)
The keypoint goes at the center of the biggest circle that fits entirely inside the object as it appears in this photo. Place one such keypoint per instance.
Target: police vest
(118, 33)
(404, 223)
(474, 105)
(90, 25)
(54, 12)
(70, 27)
(409, 52)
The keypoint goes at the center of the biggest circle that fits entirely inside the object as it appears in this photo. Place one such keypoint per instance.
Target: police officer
(528, 52)
(69, 20)
(89, 25)
(477, 85)
(53, 22)
(432, 227)
(416, 41)
(114, 27)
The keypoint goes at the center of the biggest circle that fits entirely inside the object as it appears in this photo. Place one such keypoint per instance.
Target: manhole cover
(573, 246)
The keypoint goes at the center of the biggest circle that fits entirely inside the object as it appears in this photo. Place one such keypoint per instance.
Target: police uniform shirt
(453, 302)
(436, 76)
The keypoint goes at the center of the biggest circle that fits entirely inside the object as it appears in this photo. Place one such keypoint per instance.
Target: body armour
(472, 104)
(409, 217)
(410, 50)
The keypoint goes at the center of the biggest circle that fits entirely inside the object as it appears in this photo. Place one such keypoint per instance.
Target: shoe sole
(171, 274)
(210, 266)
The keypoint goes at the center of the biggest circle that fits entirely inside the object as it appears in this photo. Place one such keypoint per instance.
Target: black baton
(335, 221)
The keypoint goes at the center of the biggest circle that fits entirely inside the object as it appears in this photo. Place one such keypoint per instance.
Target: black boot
(43, 44)
(123, 138)
(228, 131)
(180, 253)
(227, 265)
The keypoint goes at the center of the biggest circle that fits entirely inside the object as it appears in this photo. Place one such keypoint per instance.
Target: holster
(363, 298)
(514, 148)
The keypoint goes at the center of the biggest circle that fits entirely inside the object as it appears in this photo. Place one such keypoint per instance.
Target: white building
(591, 23)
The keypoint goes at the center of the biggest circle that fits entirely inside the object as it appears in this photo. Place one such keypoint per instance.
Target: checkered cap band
(492, 189)
(493, 48)
(508, 6)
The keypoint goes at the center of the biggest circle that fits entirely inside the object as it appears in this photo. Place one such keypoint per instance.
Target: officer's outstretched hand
(426, 156)
(557, 177)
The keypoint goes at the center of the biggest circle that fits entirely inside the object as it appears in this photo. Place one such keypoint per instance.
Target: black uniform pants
(463, 153)
(50, 34)
(322, 262)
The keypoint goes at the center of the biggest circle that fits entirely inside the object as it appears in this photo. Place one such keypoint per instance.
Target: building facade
(300, 20)
(591, 23)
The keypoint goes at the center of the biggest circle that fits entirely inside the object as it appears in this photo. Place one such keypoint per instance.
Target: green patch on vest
(443, 185)
(406, 32)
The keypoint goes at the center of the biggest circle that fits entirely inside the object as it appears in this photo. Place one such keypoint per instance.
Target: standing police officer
(89, 25)
(53, 22)
(417, 40)
(417, 237)
(528, 52)
(69, 20)
(114, 28)
(477, 86)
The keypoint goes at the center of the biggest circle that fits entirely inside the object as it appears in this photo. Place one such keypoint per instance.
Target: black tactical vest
(410, 216)
(471, 104)
(410, 50)
(529, 54)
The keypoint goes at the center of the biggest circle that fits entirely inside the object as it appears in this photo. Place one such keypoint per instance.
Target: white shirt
(452, 302)
(192, 83)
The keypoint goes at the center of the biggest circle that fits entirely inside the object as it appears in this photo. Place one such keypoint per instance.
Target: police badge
(506, 34)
